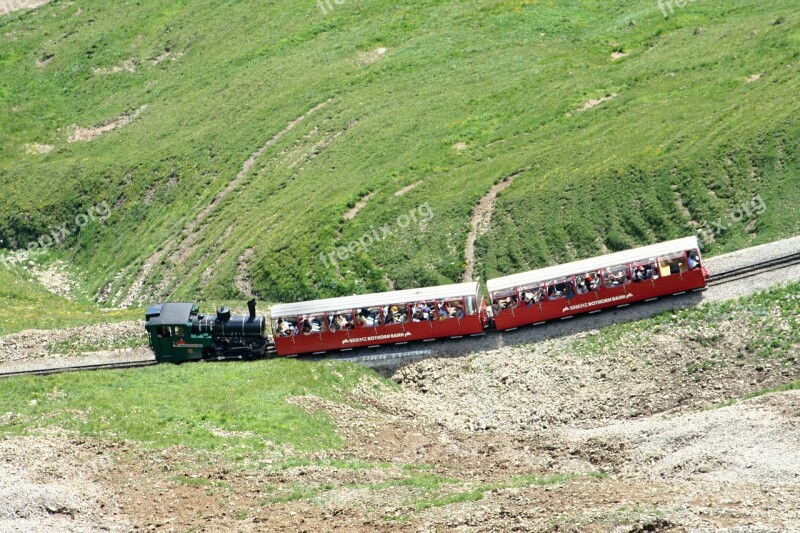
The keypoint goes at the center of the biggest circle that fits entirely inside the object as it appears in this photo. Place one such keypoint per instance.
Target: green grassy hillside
(701, 115)
(26, 304)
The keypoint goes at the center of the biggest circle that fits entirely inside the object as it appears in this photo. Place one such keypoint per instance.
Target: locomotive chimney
(251, 305)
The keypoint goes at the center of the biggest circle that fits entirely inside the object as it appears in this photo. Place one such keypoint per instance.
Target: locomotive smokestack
(251, 305)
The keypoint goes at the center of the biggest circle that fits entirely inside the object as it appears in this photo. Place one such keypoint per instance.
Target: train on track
(179, 333)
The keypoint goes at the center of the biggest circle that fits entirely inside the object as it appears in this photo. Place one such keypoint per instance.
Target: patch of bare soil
(128, 65)
(569, 383)
(597, 101)
(755, 77)
(15, 5)
(52, 484)
(408, 188)
(659, 477)
(168, 54)
(618, 55)
(242, 280)
(78, 134)
(368, 58)
(361, 204)
(37, 149)
(44, 60)
(37, 344)
(481, 222)
(55, 278)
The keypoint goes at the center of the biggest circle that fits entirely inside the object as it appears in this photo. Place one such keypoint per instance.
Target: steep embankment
(630, 127)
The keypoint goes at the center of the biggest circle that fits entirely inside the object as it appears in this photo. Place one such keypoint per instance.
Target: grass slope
(27, 304)
(236, 408)
(687, 138)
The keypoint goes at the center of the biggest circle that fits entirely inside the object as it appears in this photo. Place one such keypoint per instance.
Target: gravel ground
(751, 442)
(101, 357)
(39, 480)
(755, 254)
(54, 277)
(37, 344)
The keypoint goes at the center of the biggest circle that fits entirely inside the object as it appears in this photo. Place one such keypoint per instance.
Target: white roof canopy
(445, 292)
(589, 265)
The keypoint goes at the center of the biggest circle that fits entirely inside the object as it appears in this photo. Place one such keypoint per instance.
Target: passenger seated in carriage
(284, 329)
(612, 279)
(561, 290)
(694, 260)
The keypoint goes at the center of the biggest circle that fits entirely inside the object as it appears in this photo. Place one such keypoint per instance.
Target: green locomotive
(179, 333)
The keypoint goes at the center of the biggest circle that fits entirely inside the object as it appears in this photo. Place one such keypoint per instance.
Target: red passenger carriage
(396, 317)
(591, 285)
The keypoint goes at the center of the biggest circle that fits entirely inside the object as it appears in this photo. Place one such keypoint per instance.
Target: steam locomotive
(178, 333)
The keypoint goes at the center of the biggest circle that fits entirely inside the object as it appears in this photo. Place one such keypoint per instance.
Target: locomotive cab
(170, 328)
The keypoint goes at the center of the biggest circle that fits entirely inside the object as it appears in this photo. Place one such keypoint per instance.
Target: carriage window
(178, 331)
(369, 317)
(285, 327)
(340, 320)
(645, 269)
(532, 294)
(673, 264)
(588, 282)
(450, 309)
(421, 311)
(503, 300)
(313, 324)
(693, 259)
(395, 314)
(163, 332)
(471, 305)
(560, 288)
(615, 276)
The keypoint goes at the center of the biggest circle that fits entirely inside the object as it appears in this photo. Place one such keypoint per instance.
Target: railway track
(391, 353)
(755, 269)
(62, 370)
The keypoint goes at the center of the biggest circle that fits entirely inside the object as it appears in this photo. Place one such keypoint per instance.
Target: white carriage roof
(445, 292)
(592, 264)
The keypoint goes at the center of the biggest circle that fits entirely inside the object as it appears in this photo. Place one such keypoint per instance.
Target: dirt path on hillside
(481, 221)
(361, 204)
(78, 134)
(178, 255)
